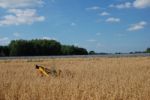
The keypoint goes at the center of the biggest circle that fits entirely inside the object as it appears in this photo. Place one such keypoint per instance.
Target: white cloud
(104, 13)
(49, 38)
(4, 41)
(21, 16)
(135, 3)
(113, 20)
(137, 26)
(20, 12)
(141, 3)
(20, 3)
(93, 8)
(121, 6)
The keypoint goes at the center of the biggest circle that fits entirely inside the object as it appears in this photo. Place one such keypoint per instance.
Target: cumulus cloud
(141, 3)
(137, 26)
(93, 8)
(20, 12)
(113, 20)
(104, 13)
(20, 3)
(49, 38)
(4, 41)
(135, 4)
(121, 6)
(21, 16)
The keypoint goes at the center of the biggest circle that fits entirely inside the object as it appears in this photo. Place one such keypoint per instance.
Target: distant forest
(43, 47)
(39, 47)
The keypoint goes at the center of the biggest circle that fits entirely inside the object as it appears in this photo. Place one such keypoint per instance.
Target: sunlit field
(103, 78)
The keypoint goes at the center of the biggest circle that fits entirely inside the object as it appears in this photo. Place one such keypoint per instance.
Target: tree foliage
(72, 50)
(148, 50)
(4, 51)
(34, 47)
(92, 52)
(39, 47)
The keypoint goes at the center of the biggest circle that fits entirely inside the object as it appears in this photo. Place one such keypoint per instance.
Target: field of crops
(99, 78)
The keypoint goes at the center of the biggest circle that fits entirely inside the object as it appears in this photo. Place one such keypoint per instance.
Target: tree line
(39, 47)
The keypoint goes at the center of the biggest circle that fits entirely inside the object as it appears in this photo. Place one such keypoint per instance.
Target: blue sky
(99, 25)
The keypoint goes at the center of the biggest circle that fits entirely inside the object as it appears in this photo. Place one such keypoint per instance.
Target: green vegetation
(4, 51)
(72, 50)
(43, 47)
(148, 50)
(92, 53)
(39, 47)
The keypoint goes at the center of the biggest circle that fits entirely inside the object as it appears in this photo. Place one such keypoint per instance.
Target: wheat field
(103, 78)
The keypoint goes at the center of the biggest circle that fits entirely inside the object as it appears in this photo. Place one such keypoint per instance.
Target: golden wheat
(124, 78)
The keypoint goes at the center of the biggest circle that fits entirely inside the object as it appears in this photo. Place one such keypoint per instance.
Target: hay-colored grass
(124, 78)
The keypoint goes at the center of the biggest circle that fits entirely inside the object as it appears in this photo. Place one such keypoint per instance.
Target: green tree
(39, 47)
(80, 51)
(21, 48)
(92, 52)
(34, 47)
(46, 47)
(66, 50)
(72, 50)
(4, 51)
(148, 50)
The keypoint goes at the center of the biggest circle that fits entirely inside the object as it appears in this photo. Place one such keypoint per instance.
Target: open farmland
(98, 78)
